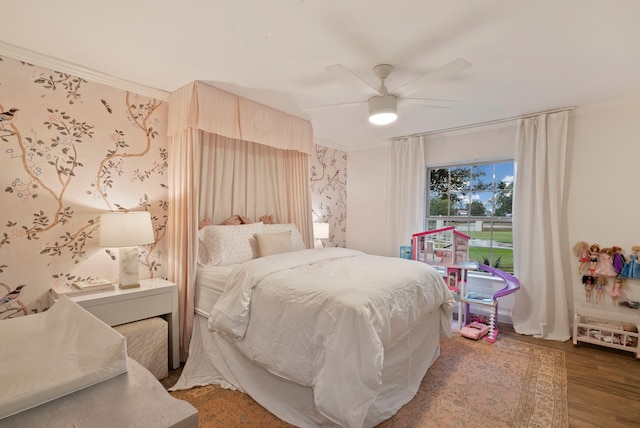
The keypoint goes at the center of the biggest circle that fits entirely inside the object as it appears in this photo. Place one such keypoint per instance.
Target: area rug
(472, 384)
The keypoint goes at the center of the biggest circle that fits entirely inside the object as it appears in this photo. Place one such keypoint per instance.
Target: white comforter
(323, 317)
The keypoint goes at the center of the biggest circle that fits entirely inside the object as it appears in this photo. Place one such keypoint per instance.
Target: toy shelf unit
(448, 251)
(615, 327)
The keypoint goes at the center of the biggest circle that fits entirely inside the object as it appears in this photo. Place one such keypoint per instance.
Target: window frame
(453, 219)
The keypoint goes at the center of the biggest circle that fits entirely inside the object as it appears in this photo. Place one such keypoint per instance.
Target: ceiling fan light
(382, 109)
(382, 118)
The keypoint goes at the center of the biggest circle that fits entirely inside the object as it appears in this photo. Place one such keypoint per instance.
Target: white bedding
(54, 353)
(323, 318)
(210, 282)
(215, 361)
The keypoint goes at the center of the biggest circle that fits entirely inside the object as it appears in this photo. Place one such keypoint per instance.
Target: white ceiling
(526, 56)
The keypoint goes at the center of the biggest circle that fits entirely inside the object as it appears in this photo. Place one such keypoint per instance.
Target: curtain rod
(490, 122)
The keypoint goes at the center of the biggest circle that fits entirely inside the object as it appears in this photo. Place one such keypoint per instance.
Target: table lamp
(127, 230)
(320, 231)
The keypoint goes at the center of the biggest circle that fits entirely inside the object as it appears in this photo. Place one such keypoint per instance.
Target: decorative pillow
(236, 219)
(204, 223)
(267, 219)
(273, 243)
(296, 238)
(227, 245)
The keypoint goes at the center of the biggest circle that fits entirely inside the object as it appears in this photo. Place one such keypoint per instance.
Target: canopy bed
(331, 336)
(228, 155)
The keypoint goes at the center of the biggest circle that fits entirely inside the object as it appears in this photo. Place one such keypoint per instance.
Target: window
(477, 200)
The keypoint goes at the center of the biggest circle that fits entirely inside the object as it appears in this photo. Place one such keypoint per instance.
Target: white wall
(603, 203)
(487, 143)
(367, 216)
(604, 180)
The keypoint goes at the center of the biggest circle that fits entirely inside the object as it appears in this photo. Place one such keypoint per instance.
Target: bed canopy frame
(229, 155)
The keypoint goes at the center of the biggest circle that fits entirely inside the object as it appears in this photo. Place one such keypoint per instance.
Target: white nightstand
(155, 297)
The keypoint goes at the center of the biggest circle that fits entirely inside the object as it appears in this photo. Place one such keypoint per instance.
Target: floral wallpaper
(71, 149)
(329, 193)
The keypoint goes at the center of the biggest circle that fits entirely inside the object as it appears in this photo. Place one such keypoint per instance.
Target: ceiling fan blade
(346, 76)
(439, 73)
(325, 106)
(427, 102)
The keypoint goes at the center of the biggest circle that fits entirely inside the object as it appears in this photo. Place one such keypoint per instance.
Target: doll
(601, 284)
(604, 267)
(581, 250)
(616, 290)
(589, 283)
(618, 259)
(632, 268)
(594, 252)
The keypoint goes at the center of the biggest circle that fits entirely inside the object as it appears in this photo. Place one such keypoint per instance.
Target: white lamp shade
(321, 230)
(382, 109)
(126, 229)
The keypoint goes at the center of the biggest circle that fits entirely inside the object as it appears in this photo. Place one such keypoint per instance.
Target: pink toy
(474, 330)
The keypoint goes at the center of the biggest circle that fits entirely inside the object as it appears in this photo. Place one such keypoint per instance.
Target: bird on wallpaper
(8, 115)
(11, 295)
(10, 303)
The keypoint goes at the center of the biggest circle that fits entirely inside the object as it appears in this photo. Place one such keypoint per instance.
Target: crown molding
(329, 144)
(62, 66)
(632, 99)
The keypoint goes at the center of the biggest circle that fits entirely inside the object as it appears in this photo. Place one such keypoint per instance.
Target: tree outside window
(478, 200)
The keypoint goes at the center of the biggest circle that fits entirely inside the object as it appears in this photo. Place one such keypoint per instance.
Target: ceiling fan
(382, 102)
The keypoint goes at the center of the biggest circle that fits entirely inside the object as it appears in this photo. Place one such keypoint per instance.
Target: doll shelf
(613, 327)
(600, 316)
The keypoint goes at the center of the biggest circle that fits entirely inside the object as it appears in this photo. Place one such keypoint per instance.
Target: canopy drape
(229, 155)
(541, 254)
(182, 226)
(241, 177)
(201, 106)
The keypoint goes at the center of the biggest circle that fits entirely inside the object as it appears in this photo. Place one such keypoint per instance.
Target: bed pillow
(236, 219)
(204, 223)
(273, 243)
(227, 245)
(296, 238)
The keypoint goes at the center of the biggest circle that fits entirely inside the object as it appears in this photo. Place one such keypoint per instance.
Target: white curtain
(407, 181)
(541, 253)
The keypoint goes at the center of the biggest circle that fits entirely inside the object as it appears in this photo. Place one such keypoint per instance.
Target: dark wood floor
(603, 383)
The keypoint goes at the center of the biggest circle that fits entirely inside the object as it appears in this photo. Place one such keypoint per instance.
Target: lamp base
(129, 268)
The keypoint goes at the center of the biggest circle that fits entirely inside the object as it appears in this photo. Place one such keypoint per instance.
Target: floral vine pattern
(60, 156)
(329, 192)
(46, 159)
(140, 115)
(70, 83)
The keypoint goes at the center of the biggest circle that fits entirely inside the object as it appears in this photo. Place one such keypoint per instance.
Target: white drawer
(129, 310)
